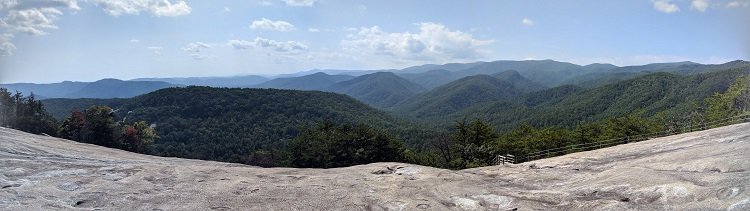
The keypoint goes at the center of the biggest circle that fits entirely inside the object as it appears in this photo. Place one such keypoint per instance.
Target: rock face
(705, 170)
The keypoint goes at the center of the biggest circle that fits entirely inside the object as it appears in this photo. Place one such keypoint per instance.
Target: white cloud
(135, 41)
(6, 46)
(297, 3)
(266, 24)
(7, 4)
(227, 9)
(313, 30)
(196, 47)
(38, 4)
(134, 7)
(280, 46)
(33, 17)
(736, 4)
(527, 22)
(434, 42)
(292, 47)
(700, 5)
(155, 49)
(37, 17)
(197, 56)
(31, 21)
(665, 6)
(241, 44)
(265, 3)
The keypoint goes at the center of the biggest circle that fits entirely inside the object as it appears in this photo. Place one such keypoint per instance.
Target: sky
(45, 41)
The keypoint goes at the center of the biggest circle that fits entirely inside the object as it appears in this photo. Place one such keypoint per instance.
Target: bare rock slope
(705, 170)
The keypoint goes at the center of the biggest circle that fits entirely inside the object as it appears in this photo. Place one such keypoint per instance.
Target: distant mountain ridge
(381, 89)
(105, 88)
(467, 92)
(315, 81)
(236, 81)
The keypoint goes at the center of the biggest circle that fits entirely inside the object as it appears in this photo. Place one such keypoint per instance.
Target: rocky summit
(706, 170)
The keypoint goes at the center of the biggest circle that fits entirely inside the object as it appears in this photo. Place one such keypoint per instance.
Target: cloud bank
(433, 42)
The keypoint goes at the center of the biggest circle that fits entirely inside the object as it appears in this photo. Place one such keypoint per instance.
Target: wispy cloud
(298, 3)
(665, 6)
(155, 49)
(266, 24)
(700, 5)
(264, 43)
(434, 42)
(527, 22)
(159, 8)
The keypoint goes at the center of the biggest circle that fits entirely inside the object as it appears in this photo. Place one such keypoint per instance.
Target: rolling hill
(229, 124)
(105, 88)
(315, 81)
(235, 81)
(600, 78)
(647, 95)
(432, 78)
(60, 108)
(381, 89)
(464, 93)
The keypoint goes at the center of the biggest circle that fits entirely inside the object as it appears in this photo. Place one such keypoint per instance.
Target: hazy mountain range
(389, 88)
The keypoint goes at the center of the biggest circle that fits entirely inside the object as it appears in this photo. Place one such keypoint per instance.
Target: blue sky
(86, 40)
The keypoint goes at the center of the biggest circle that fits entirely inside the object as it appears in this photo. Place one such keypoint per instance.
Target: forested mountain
(46, 90)
(553, 73)
(461, 124)
(235, 81)
(449, 67)
(599, 67)
(519, 82)
(105, 88)
(432, 78)
(315, 81)
(113, 88)
(466, 92)
(648, 95)
(241, 125)
(61, 108)
(381, 89)
(600, 78)
(545, 72)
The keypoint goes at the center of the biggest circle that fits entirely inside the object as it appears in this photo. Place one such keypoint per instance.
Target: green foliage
(673, 95)
(732, 102)
(381, 89)
(25, 113)
(328, 145)
(251, 126)
(96, 125)
(470, 144)
(61, 108)
(316, 81)
(138, 137)
(458, 95)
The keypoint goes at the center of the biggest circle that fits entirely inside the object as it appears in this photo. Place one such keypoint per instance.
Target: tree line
(324, 144)
(95, 125)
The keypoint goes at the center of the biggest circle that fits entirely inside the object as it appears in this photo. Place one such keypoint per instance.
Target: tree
(472, 143)
(72, 126)
(328, 145)
(25, 113)
(99, 127)
(7, 108)
(137, 137)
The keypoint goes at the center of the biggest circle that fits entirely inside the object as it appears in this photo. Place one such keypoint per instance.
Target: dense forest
(272, 127)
